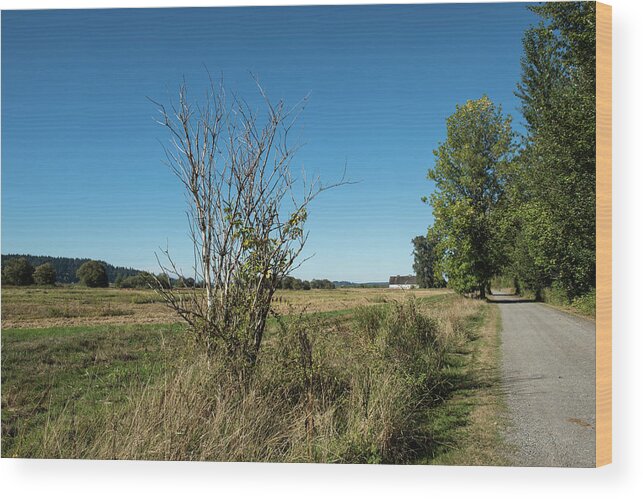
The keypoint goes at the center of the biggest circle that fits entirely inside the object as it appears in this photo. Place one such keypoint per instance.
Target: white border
(69, 479)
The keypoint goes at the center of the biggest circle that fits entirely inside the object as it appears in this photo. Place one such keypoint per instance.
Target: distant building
(402, 282)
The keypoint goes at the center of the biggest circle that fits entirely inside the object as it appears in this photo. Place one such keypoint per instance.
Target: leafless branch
(246, 213)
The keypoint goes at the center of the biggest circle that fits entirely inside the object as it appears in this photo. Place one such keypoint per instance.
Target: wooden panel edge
(603, 234)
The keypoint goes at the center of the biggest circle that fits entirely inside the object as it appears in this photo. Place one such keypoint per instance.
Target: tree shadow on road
(508, 298)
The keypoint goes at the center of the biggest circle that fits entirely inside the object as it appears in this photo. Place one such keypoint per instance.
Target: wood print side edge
(603, 234)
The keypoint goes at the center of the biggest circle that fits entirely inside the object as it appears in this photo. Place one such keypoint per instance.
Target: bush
(18, 272)
(586, 304)
(142, 280)
(555, 295)
(93, 274)
(45, 275)
(369, 319)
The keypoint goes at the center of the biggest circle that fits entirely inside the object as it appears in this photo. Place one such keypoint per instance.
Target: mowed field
(77, 363)
(31, 307)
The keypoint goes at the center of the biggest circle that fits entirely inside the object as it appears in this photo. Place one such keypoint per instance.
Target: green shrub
(555, 295)
(142, 280)
(586, 304)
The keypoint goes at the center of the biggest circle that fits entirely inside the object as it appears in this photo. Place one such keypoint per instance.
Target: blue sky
(82, 171)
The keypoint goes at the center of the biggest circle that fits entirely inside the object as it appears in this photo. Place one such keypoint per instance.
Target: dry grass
(352, 388)
(69, 306)
(474, 416)
(33, 307)
(327, 300)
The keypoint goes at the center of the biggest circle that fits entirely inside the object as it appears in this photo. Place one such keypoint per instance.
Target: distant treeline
(66, 268)
(349, 284)
(289, 282)
(127, 277)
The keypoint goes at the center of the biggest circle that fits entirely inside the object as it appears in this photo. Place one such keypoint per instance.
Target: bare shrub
(246, 211)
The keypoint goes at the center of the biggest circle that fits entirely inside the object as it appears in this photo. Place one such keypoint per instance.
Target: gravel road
(548, 375)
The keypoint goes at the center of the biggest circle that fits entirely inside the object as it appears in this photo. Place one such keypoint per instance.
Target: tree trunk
(482, 291)
(539, 295)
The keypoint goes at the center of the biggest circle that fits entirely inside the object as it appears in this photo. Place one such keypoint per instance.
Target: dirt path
(548, 373)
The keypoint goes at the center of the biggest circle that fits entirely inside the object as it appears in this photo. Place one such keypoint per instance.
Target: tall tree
(17, 271)
(45, 274)
(424, 256)
(93, 274)
(468, 173)
(554, 184)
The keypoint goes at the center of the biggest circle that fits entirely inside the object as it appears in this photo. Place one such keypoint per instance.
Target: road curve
(548, 375)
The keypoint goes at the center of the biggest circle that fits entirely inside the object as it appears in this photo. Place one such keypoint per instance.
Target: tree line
(20, 272)
(66, 268)
(289, 282)
(147, 279)
(522, 206)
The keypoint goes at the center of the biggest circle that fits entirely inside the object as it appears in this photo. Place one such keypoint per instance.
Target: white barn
(402, 282)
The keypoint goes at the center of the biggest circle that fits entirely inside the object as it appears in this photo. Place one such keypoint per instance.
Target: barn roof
(402, 279)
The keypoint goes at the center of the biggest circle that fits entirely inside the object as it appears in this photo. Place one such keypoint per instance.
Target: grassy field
(387, 376)
(33, 307)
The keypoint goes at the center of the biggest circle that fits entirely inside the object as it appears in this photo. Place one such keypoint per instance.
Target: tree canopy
(553, 188)
(66, 268)
(93, 274)
(468, 174)
(45, 275)
(17, 272)
(424, 265)
(527, 213)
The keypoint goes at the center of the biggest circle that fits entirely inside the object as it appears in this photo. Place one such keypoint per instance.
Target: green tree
(424, 264)
(287, 282)
(468, 176)
(553, 189)
(163, 280)
(93, 274)
(18, 272)
(45, 275)
(186, 282)
(142, 280)
(327, 284)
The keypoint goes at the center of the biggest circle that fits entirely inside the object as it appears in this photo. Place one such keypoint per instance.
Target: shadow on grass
(448, 414)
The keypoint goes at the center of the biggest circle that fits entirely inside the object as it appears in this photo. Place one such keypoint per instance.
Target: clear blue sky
(82, 171)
